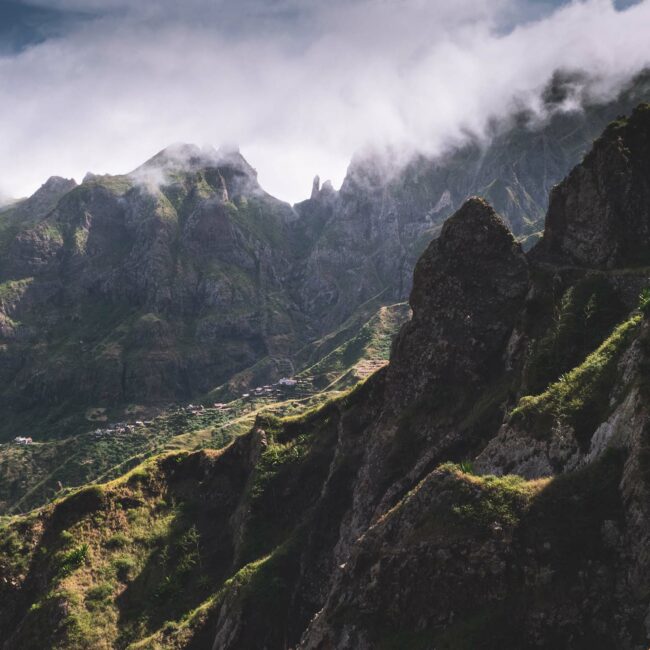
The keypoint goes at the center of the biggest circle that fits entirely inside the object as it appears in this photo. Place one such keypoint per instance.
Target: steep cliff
(599, 216)
(550, 551)
(183, 276)
(487, 489)
(145, 288)
(371, 233)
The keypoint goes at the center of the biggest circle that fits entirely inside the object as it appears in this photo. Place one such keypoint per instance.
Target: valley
(223, 427)
(488, 487)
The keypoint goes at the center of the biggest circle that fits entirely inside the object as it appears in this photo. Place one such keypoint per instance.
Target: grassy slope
(144, 559)
(558, 518)
(367, 350)
(580, 397)
(96, 339)
(31, 475)
(147, 561)
(151, 559)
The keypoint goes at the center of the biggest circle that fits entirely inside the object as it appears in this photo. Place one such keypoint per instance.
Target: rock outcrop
(148, 288)
(599, 215)
(238, 280)
(468, 289)
(381, 221)
(453, 556)
(443, 503)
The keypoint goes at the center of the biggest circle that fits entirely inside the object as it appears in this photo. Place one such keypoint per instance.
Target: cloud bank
(299, 85)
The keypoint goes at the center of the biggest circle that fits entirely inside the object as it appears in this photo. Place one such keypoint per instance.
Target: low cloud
(300, 86)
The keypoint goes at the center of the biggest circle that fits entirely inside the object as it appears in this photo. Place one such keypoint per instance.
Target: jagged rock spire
(467, 289)
(315, 187)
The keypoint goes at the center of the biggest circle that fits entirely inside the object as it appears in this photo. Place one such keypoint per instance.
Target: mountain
(184, 280)
(32, 475)
(144, 288)
(372, 232)
(487, 489)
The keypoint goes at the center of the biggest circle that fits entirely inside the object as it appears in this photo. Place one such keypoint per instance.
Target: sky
(299, 85)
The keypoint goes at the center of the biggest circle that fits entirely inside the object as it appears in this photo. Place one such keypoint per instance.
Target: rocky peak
(231, 157)
(315, 187)
(46, 197)
(599, 216)
(322, 193)
(475, 253)
(182, 157)
(190, 157)
(224, 168)
(467, 289)
(56, 185)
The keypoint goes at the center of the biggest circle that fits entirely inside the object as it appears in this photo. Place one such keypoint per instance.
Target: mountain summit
(182, 157)
(487, 489)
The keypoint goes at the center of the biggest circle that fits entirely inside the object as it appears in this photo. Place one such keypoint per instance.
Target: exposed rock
(315, 188)
(350, 527)
(599, 215)
(201, 250)
(468, 289)
(191, 237)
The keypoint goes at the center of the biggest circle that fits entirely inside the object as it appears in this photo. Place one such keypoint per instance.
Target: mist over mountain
(324, 325)
(485, 489)
(185, 276)
(301, 87)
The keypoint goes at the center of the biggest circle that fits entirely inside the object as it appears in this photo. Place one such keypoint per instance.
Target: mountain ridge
(162, 285)
(387, 518)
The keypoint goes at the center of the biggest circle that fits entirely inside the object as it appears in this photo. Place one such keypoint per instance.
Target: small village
(284, 388)
(121, 428)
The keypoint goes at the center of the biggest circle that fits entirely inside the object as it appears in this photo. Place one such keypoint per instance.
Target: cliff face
(165, 283)
(599, 216)
(145, 288)
(372, 232)
(442, 555)
(468, 288)
(488, 489)
(433, 554)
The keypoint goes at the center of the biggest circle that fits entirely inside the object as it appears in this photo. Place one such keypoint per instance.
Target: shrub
(189, 545)
(71, 560)
(100, 592)
(66, 537)
(99, 595)
(124, 567)
(119, 540)
(466, 467)
(644, 302)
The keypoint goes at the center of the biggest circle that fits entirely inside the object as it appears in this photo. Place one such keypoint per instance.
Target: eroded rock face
(349, 529)
(370, 234)
(468, 288)
(426, 575)
(406, 574)
(599, 216)
(191, 237)
(151, 287)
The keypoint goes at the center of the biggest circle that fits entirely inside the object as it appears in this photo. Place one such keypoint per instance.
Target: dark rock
(599, 216)
(468, 289)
